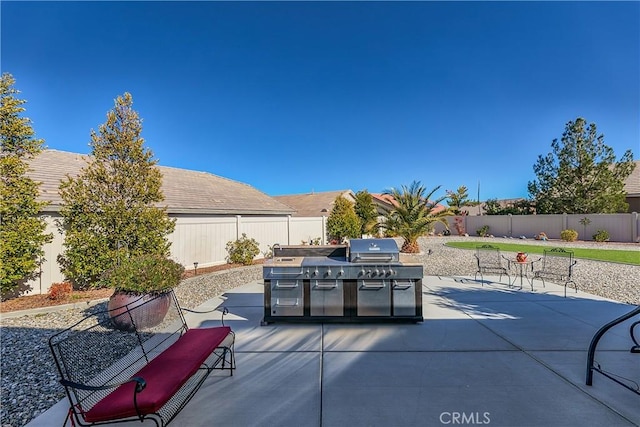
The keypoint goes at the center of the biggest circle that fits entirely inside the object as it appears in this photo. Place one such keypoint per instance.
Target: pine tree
(581, 175)
(110, 209)
(21, 229)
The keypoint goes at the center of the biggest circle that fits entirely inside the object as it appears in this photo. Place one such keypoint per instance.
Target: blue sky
(294, 97)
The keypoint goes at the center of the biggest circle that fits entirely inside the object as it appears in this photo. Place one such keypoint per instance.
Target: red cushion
(164, 376)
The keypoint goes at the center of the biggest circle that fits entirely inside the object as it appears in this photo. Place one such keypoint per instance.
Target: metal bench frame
(94, 358)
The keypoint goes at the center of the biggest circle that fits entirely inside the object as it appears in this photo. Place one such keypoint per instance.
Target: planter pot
(150, 310)
(521, 257)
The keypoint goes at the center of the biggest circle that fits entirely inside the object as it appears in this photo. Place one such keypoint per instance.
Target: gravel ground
(29, 380)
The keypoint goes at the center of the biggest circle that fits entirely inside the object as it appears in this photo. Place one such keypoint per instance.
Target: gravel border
(29, 384)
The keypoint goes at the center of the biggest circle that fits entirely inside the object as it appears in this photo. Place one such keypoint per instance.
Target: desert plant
(458, 223)
(569, 235)
(143, 274)
(601, 236)
(483, 231)
(60, 291)
(243, 250)
(413, 214)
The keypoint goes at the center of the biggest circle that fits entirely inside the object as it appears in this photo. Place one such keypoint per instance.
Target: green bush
(242, 251)
(151, 273)
(569, 235)
(601, 236)
(483, 231)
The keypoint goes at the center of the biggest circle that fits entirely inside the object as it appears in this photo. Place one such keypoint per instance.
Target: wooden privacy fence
(203, 239)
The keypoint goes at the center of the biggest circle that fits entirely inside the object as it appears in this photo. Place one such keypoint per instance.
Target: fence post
(288, 229)
(238, 217)
(510, 226)
(324, 229)
(565, 222)
(634, 227)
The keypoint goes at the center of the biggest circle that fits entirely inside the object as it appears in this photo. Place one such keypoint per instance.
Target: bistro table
(521, 271)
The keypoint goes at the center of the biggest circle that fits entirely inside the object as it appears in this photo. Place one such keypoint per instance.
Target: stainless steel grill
(362, 282)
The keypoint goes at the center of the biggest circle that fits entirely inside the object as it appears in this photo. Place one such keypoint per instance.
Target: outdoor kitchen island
(362, 282)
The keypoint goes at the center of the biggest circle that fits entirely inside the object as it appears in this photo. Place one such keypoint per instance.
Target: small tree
(110, 209)
(342, 221)
(459, 199)
(581, 175)
(413, 215)
(21, 230)
(366, 212)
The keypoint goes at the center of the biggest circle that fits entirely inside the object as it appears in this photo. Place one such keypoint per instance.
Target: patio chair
(555, 264)
(490, 260)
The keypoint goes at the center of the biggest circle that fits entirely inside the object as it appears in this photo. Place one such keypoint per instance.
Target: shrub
(143, 274)
(569, 235)
(60, 291)
(243, 250)
(458, 223)
(601, 236)
(483, 231)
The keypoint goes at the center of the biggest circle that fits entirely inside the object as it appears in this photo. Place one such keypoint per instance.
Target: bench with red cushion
(148, 372)
(163, 376)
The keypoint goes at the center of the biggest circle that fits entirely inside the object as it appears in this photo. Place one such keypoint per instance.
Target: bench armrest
(225, 311)
(140, 385)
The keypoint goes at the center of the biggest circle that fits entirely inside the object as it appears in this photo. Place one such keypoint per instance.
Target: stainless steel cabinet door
(374, 298)
(287, 297)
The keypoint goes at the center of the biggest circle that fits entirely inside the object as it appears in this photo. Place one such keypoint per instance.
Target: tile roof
(185, 191)
(632, 183)
(314, 204)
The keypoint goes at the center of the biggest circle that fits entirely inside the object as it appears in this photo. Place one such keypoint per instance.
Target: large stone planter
(150, 310)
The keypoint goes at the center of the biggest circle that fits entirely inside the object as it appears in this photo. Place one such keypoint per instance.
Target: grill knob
(329, 271)
(341, 272)
(315, 272)
(383, 272)
(376, 272)
(362, 272)
(391, 272)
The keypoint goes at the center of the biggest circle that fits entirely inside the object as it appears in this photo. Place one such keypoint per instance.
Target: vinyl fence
(200, 239)
(203, 239)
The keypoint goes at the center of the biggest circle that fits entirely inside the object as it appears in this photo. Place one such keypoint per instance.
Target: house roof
(314, 204)
(185, 191)
(632, 183)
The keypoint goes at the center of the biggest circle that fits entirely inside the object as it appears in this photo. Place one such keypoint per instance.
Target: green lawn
(610, 255)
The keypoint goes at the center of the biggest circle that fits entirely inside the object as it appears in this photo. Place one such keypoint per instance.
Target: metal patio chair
(556, 264)
(490, 260)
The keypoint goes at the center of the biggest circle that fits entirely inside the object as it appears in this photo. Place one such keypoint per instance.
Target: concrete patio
(485, 354)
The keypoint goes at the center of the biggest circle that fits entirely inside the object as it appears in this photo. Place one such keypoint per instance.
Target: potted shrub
(135, 281)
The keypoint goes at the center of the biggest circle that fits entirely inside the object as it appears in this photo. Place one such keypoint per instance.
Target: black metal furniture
(112, 375)
(635, 349)
(555, 264)
(490, 260)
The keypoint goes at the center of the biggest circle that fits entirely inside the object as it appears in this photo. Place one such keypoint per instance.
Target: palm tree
(413, 214)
